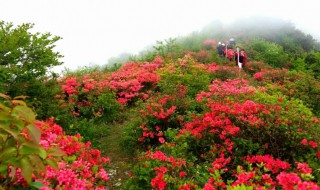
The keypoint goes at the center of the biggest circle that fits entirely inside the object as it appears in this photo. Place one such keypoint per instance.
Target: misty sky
(95, 30)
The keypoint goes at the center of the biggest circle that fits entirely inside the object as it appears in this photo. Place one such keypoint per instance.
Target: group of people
(227, 50)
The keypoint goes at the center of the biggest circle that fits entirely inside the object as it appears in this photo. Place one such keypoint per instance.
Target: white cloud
(95, 30)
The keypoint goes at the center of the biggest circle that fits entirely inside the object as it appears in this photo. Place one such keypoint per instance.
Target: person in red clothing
(229, 53)
(242, 58)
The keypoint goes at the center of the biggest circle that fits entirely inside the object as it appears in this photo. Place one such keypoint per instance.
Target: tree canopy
(25, 55)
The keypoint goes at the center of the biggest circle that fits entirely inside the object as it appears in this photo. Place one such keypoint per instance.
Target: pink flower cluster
(82, 92)
(293, 181)
(271, 75)
(258, 175)
(160, 109)
(221, 89)
(210, 44)
(258, 76)
(169, 165)
(80, 168)
(274, 165)
(311, 143)
(134, 79)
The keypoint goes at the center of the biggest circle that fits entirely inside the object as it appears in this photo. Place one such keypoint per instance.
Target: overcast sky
(95, 30)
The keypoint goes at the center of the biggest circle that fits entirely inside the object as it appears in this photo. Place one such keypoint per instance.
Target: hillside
(178, 116)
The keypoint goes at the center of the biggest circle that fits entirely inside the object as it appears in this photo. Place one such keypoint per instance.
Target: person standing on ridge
(223, 49)
(229, 53)
(242, 59)
(231, 43)
(220, 49)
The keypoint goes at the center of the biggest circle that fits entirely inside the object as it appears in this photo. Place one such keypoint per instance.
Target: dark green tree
(24, 55)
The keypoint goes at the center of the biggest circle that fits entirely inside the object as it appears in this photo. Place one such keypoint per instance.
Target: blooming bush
(276, 76)
(244, 137)
(133, 80)
(209, 44)
(202, 56)
(88, 96)
(99, 94)
(39, 154)
(20, 152)
(253, 67)
(81, 168)
(158, 114)
(226, 72)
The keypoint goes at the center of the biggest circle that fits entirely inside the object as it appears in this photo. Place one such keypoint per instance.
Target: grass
(110, 146)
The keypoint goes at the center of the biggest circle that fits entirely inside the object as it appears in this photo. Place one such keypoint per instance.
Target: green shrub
(19, 143)
(185, 73)
(271, 53)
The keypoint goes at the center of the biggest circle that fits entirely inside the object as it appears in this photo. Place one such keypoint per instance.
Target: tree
(24, 55)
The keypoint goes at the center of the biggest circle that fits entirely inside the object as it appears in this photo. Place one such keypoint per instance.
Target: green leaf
(37, 184)
(8, 153)
(35, 132)
(1, 141)
(5, 116)
(38, 165)
(95, 168)
(4, 108)
(26, 169)
(43, 153)
(53, 164)
(18, 123)
(5, 125)
(4, 169)
(24, 112)
(56, 151)
(29, 148)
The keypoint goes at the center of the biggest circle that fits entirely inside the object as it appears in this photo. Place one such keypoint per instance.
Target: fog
(95, 31)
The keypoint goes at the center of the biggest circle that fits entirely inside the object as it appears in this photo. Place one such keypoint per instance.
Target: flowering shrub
(256, 66)
(88, 96)
(96, 94)
(260, 172)
(133, 80)
(20, 152)
(226, 72)
(242, 138)
(39, 154)
(219, 90)
(158, 115)
(202, 56)
(276, 76)
(81, 167)
(209, 44)
(160, 171)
